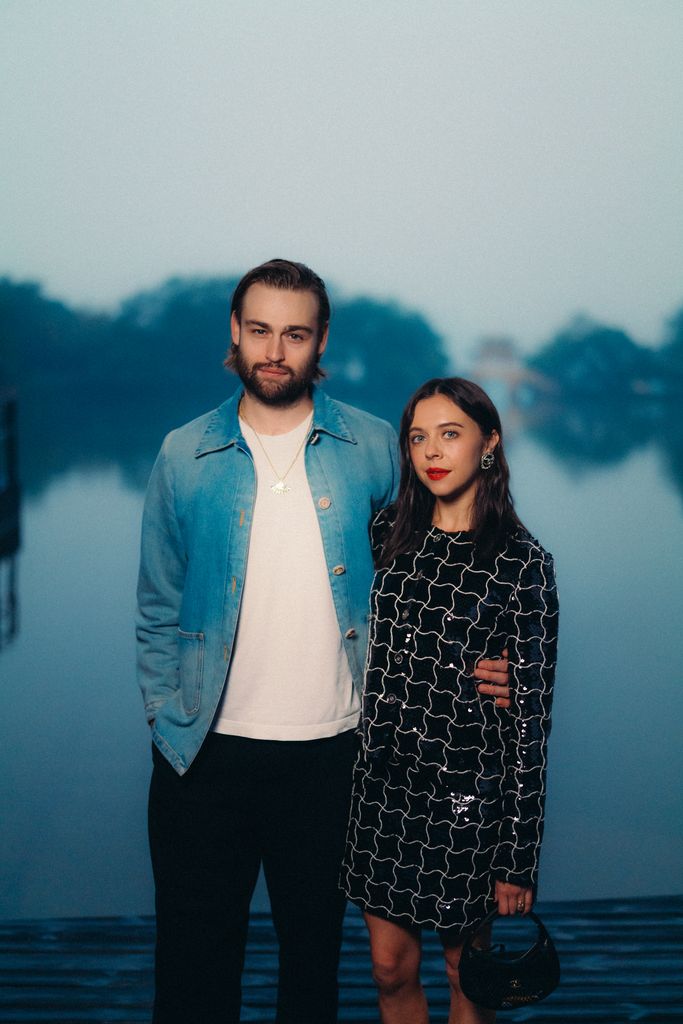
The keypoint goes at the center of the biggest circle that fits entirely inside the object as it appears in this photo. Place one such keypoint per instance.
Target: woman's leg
(462, 1010)
(396, 954)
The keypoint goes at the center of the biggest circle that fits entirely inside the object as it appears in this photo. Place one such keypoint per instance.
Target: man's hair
(285, 274)
(289, 276)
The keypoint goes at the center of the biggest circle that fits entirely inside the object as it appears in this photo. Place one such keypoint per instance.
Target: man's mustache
(273, 366)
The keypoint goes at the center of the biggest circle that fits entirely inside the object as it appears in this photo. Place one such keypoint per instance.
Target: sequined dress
(449, 790)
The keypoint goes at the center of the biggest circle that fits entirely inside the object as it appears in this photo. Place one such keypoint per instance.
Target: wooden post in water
(9, 517)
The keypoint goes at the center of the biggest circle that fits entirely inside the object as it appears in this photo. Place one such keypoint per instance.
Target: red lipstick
(437, 474)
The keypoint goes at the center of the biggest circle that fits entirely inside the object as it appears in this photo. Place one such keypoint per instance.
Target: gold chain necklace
(279, 487)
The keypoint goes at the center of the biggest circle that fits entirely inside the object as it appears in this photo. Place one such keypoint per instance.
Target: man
(252, 627)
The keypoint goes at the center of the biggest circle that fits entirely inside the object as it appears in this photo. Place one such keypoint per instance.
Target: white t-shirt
(289, 677)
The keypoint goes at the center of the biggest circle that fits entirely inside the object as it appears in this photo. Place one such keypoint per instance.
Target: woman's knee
(395, 952)
(394, 970)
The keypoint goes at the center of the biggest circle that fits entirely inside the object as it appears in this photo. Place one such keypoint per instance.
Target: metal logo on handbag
(498, 979)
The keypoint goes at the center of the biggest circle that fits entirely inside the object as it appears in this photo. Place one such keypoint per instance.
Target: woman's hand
(496, 680)
(513, 899)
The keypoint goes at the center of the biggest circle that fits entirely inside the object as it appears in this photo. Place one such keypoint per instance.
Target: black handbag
(500, 979)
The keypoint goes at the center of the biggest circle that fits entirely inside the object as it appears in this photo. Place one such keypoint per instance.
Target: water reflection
(97, 432)
(598, 432)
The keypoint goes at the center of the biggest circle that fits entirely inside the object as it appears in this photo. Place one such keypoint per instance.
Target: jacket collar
(223, 428)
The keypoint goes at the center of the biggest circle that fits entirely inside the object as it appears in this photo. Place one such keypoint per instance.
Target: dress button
(324, 502)
(405, 614)
(339, 570)
(398, 658)
(391, 699)
(350, 634)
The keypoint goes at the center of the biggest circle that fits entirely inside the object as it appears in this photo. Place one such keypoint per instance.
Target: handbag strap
(542, 937)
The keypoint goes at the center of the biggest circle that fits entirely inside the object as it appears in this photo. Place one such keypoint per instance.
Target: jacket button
(324, 502)
(391, 699)
(349, 634)
(398, 658)
(339, 570)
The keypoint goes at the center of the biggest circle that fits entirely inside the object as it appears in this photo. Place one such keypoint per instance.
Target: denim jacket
(195, 544)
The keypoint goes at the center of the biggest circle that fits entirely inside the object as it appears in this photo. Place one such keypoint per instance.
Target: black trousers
(244, 802)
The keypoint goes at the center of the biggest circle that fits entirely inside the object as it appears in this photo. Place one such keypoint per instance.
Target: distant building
(501, 371)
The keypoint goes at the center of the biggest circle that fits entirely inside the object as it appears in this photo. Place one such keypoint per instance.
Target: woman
(449, 788)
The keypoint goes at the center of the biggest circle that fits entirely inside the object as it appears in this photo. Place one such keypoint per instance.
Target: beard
(276, 392)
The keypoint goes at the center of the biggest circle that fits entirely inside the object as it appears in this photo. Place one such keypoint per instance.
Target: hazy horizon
(500, 167)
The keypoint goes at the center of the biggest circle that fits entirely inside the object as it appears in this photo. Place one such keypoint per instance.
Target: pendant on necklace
(280, 488)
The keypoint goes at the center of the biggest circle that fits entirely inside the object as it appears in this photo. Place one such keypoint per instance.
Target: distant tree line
(590, 359)
(177, 334)
(95, 387)
(99, 388)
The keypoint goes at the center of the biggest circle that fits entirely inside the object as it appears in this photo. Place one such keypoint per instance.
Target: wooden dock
(622, 961)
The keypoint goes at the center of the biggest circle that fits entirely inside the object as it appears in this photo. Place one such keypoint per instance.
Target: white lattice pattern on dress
(448, 789)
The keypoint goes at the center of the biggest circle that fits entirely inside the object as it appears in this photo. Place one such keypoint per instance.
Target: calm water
(74, 746)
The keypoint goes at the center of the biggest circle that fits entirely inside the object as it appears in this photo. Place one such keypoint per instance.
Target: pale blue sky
(500, 164)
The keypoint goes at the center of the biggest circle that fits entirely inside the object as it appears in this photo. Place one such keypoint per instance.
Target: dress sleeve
(532, 647)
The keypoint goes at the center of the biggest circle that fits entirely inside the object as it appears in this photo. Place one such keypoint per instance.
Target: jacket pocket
(191, 665)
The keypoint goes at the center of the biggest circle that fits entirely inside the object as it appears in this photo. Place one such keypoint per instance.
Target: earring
(487, 460)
